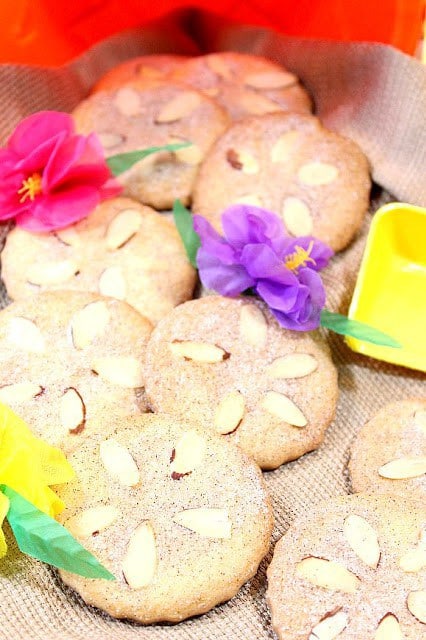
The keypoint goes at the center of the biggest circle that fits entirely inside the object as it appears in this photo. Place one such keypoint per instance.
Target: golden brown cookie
(353, 569)
(133, 118)
(227, 364)
(123, 249)
(316, 180)
(244, 84)
(70, 360)
(179, 516)
(389, 453)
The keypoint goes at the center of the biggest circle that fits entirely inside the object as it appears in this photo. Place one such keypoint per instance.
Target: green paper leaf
(185, 226)
(124, 161)
(341, 324)
(41, 537)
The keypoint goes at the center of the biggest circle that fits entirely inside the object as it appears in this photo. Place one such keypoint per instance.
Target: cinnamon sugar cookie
(244, 84)
(179, 516)
(352, 568)
(70, 360)
(123, 249)
(316, 180)
(132, 118)
(389, 453)
(227, 364)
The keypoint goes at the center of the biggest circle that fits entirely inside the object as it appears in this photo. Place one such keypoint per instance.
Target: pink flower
(50, 176)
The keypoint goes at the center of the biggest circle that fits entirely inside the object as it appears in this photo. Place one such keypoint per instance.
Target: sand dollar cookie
(342, 572)
(133, 117)
(228, 364)
(178, 515)
(389, 453)
(316, 180)
(150, 67)
(244, 84)
(69, 360)
(123, 249)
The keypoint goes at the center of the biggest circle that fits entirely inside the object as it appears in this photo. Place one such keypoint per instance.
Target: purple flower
(255, 253)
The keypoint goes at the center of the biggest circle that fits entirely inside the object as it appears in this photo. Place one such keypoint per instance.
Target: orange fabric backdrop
(50, 32)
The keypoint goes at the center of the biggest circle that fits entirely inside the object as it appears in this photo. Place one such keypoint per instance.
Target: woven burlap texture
(374, 95)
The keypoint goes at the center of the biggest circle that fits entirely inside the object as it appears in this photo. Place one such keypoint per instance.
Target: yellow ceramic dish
(390, 292)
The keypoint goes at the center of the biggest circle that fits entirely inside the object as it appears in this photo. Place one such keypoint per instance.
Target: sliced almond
(416, 603)
(404, 468)
(128, 102)
(253, 326)
(119, 463)
(122, 228)
(52, 273)
(412, 561)
(229, 413)
(389, 628)
(113, 283)
(188, 454)
(19, 392)
(72, 411)
(243, 161)
(124, 371)
(316, 174)
(69, 236)
(208, 523)
(256, 104)
(212, 92)
(88, 323)
(251, 199)
(189, 155)
(92, 521)
(198, 351)
(110, 140)
(280, 406)
(219, 66)
(181, 106)
(327, 574)
(270, 80)
(140, 562)
(25, 335)
(330, 626)
(297, 217)
(362, 538)
(420, 419)
(285, 146)
(294, 365)
(150, 72)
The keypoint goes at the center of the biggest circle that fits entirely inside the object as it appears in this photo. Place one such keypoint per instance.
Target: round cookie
(244, 84)
(389, 453)
(352, 568)
(70, 360)
(179, 516)
(150, 67)
(227, 364)
(132, 118)
(316, 180)
(123, 249)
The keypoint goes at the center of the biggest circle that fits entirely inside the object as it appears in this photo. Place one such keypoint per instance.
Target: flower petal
(262, 262)
(278, 296)
(226, 279)
(212, 242)
(319, 252)
(37, 129)
(246, 224)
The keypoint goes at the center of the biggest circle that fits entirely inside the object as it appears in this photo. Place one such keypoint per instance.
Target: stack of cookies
(169, 406)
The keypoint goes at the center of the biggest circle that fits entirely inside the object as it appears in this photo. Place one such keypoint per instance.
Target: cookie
(150, 67)
(316, 180)
(354, 567)
(389, 453)
(178, 515)
(244, 84)
(132, 118)
(123, 249)
(227, 364)
(69, 360)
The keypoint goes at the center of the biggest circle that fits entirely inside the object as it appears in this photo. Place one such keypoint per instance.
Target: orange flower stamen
(299, 258)
(31, 187)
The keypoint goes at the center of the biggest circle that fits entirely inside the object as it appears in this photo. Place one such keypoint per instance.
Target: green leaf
(341, 324)
(124, 161)
(185, 226)
(41, 537)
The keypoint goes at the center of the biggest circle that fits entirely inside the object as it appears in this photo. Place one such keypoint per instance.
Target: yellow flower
(28, 465)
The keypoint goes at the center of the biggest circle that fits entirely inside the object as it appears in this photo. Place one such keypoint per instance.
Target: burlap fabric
(371, 93)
